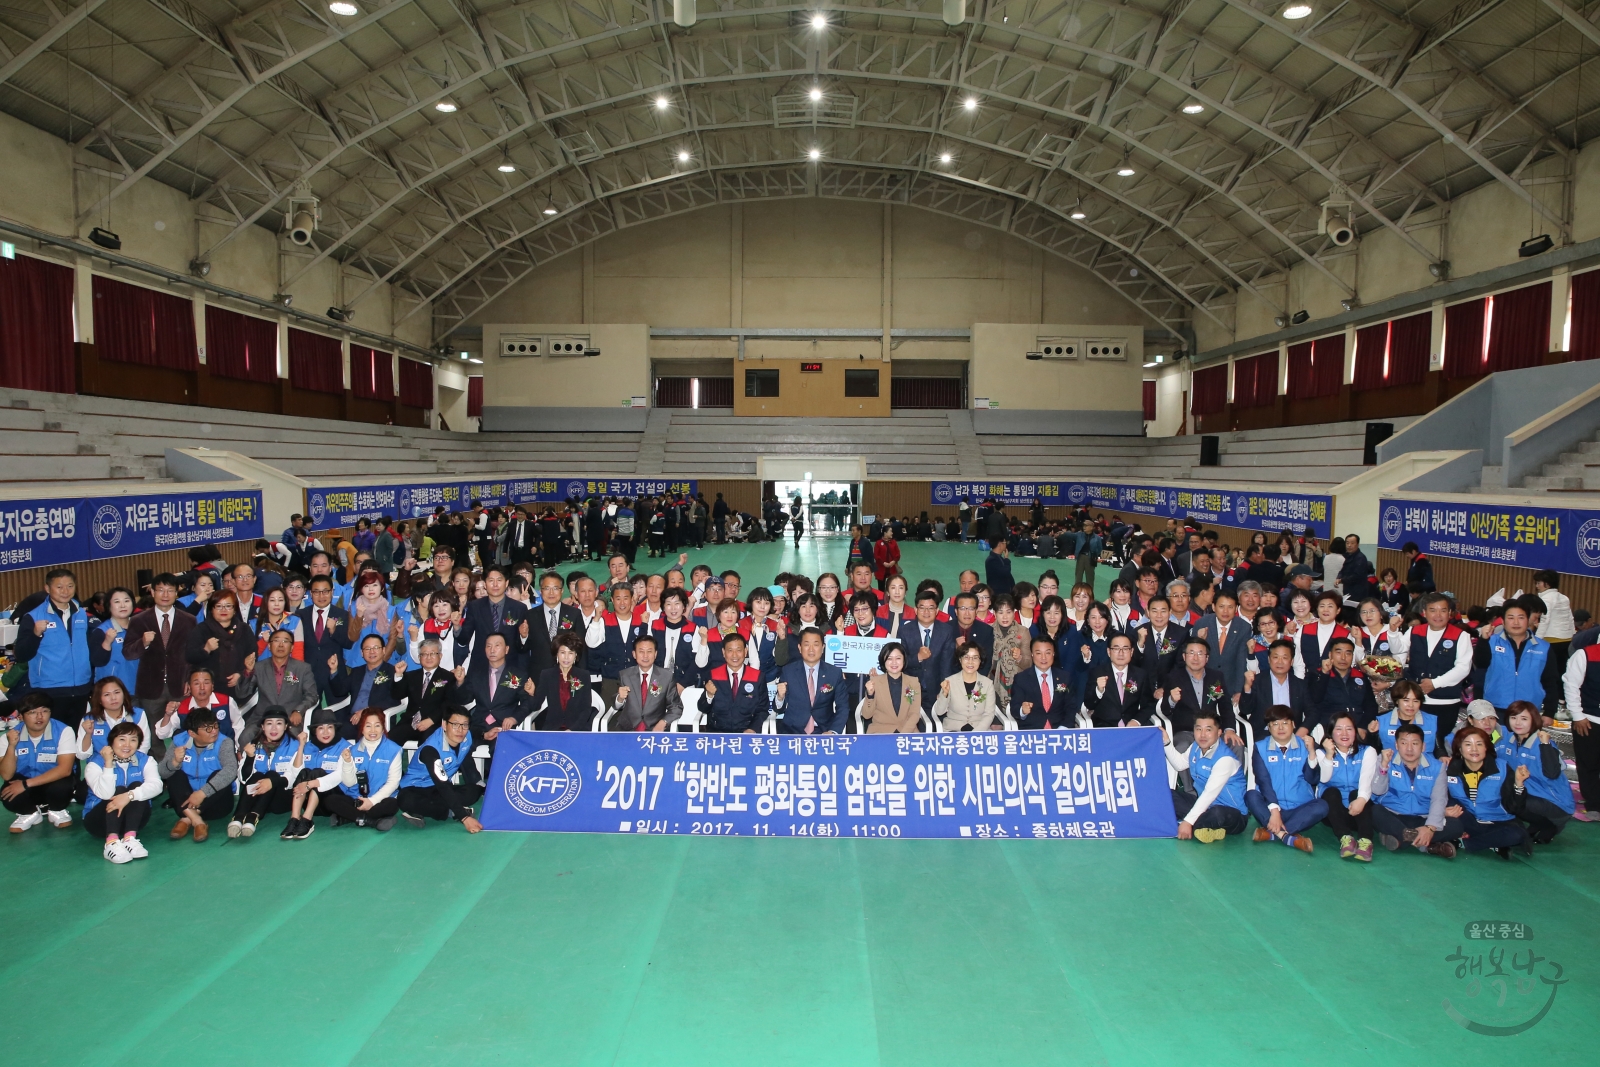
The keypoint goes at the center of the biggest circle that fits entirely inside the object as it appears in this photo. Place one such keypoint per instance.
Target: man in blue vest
(1216, 808)
(428, 789)
(1440, 659)
(1516, 662)
(53, 640)
(1412, 792)
(199, 768)
(1285, 800)
(37, 767)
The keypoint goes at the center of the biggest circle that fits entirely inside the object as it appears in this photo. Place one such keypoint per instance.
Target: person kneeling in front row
(369, 777)
(122, 782)
(316, 772)
(199, 769)
(36, 765)
(1216, 809)
(427, 790)
(1284, 800)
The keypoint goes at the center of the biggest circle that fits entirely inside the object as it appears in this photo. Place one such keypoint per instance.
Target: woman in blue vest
(1548, 803)
(427, 790)
(123, 780)
(1516, 660)
(1348, 768)
(266, 773)
(369, 777)
(105, 642)
(1483, 793)
(1407, 708)
(110, 705)
(316, 763)
(199, 770)
(36, 761)
(199, 595)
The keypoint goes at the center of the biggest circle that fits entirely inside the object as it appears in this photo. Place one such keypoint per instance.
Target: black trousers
(214, 806)
(130, 820)
(1216, 817)
(1479, 836)
(338, 802)
(1341, 822)
(426, 801)
(274, 801)
(1545, 820)
(1389, 824)
(1586, 754)
(52, 796)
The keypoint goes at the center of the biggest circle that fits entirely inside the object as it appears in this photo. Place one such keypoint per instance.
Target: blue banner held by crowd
(329, 507)
(57, 531)
(1247, 509)
(1516, 535)
(1060, 784)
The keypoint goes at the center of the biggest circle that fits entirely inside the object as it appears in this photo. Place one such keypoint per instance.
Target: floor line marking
(617, 1026)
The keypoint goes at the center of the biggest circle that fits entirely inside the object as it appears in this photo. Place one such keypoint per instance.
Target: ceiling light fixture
(971, 103)
(343, 7)
(945, 157)
(551, 210)
(507, 168)
(816, 94)
(445, 106)
(1295, 12)
(1193, 107)
(662, 103)
(1078, 216)
(1125, 171)
(819, 22)
(683, 157)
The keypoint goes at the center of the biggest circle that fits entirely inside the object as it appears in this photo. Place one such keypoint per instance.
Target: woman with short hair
(122, 782)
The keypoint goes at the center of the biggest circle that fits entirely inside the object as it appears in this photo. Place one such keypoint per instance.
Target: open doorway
(829, 508)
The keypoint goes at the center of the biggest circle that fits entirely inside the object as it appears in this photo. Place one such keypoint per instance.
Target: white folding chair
(1165, 724)
(861, 726)
(480, 757)
(397, 711)
(602, 714)
(692, 716)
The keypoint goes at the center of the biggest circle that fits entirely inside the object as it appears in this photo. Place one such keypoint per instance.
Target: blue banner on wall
(1563, 539)
(328, 507)
(1034, 784)
(1246, 509)
(52, 532)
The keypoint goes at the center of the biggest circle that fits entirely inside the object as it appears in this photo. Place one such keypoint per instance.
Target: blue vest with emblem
(1287, 771)
(1506, 681)
(1487, 806)
(1408, 794)
(326, 759)
(1389, 724)
(35, 755)
(275, 761)
(128, 775)
(417, 774)
(119, 666)
(1347, 773)
(1201, 766)
(62, 661)
(375, 764)
(199, 764)
(1511, 755)
(1422, 665)
(99, 729)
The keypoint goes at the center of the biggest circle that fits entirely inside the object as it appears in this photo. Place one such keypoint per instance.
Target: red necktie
(319, 626)
(166, 630)
(1044, 691)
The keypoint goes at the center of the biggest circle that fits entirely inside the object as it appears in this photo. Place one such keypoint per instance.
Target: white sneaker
(116, 853)
(249, 829)
(26, 822)
(235, 828)
(134, 848)
(59, 818)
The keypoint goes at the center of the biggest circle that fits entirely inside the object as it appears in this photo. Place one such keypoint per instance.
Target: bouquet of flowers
(1382, 668)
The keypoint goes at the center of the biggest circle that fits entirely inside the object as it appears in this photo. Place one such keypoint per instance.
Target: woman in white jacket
(122, 782)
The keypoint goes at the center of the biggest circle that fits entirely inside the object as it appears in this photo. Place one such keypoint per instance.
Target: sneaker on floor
(235, 828)
(1390, 842)
(385, 824)
(1261, 834)
(135, 848)
(1347, 847)
(116, 853)
(60, 819)
(1205, 837)
(419, 822)
(336, 820)
(1364, 850)
(306, 827)
(25, 822)
(249, 828)
(1443, 849)
(291, 830)
(1298, 841)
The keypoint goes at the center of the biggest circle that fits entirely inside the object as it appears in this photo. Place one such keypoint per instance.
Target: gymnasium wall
(102, 574)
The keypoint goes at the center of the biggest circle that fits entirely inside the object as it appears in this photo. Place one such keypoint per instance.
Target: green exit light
(8, 250)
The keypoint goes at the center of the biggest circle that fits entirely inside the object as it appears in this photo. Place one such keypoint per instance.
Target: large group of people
(354, 677)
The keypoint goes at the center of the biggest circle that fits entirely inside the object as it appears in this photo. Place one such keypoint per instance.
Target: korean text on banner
(1243, 508)
(332, 506)
(1516, 535)
(55, 532)
(854, 655)
(1058, 784)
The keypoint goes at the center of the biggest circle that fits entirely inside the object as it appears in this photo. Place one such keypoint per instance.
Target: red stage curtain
(371, 373)
(1372, 357)
(1255, 381)
(1150, 401)
(133, 324)
(241, 346)
(1463, 339)
(718, 392)
(1585, 340)
(475, 396)
(314, 362)
(1519, 329)
(36, 326)
(416, 384)
(1316, 368)
(1410, 340)
(1210, 390)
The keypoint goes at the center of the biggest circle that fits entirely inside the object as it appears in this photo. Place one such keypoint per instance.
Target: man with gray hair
(1249, 594)
(427, 690)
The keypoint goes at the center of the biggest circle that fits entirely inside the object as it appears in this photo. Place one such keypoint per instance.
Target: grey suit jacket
(299, 691)
(1231, 659)
(644, 706)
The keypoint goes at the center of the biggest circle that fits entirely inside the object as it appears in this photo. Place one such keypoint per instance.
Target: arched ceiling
(608, 114)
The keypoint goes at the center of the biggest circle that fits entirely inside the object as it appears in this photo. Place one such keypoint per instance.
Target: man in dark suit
(812, 695)
(1192, 686)
(493, 614)
(494, 691)
(1043, 697)
(156, 638)
(1159, 645)
(968, 630)
(1123, 693)
(326, 628)
(370, 684)
(1228, 637)
(428, 690)
(544, 621)
(1279, 686)
(930, 646)
(997, 569)
(522, 539)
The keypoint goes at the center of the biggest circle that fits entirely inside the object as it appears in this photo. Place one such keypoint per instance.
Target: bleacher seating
(912, 446)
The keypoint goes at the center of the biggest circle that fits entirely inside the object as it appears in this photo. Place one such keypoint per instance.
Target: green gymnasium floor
(433, 947)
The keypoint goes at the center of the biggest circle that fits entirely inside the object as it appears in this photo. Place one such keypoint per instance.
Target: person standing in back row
(53, 640)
